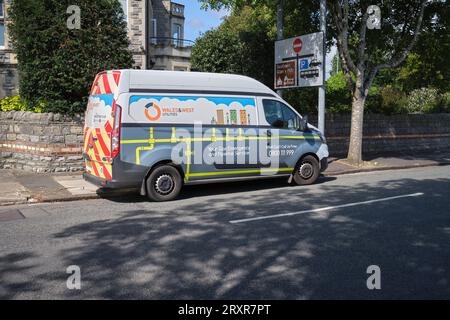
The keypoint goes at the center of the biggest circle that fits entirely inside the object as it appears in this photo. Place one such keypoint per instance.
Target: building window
(154, 33)
(176, 34)
(2, 35)
(124, 4)
(2, 10)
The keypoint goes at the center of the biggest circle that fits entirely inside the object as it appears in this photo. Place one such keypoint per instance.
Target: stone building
(155, 30)
(8, 62)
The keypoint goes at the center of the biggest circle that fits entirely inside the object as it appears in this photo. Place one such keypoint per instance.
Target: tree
(427, 63)
(242, 44)
(364, 53)
(57, 65)
(217, 51)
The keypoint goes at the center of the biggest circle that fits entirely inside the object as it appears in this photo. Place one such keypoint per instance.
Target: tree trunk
(356, 133)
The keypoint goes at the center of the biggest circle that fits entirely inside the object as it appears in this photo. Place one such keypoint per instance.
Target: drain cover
(11, 215)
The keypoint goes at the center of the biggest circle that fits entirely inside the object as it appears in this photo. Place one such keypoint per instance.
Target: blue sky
(198, 20)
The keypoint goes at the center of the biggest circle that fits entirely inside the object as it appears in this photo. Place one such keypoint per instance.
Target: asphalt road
(200, 247)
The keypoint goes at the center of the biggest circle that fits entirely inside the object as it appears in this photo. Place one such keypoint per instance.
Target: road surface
(252, 240)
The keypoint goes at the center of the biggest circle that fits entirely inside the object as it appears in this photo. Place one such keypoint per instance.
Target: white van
(159, 130)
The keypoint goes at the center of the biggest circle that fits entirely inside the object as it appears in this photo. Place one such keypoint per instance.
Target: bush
(444, 102)
(391, 100)
(304, 100)
(423, 100)
(15, 103)
(339, 99)
(58, 65)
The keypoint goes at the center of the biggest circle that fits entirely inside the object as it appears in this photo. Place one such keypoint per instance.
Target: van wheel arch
(156, 165)
(309, 154)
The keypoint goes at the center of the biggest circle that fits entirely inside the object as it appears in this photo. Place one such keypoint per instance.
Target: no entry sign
(297, 45)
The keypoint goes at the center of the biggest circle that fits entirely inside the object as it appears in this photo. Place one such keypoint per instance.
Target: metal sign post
(322, 89)
(280, 29)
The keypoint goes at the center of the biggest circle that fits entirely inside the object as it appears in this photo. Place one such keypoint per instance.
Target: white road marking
(353, 204)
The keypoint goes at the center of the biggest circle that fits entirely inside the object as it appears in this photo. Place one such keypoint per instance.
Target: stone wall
(390, 134)
(53, 143)
(44, 142)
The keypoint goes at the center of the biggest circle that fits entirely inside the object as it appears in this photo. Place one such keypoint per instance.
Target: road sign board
(307, 52)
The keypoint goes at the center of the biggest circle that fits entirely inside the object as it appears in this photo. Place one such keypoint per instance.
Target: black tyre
(164, 183)
(307, 171)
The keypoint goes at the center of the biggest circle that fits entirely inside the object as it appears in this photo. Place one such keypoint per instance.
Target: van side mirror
(303, 125)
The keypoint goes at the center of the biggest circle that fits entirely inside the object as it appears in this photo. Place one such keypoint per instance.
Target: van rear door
(99, 124)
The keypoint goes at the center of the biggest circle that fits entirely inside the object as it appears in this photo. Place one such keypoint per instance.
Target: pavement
(241, 240)
(19, 187)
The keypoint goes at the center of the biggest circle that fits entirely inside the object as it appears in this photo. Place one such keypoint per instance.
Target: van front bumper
(323, 164)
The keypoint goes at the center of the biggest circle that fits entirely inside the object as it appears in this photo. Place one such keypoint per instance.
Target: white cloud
(219, 14)
(196, 23)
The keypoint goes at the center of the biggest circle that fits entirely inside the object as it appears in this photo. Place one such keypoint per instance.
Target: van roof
(195, 81)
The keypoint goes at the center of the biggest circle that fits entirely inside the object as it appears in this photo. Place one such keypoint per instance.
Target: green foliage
(58, 65)
(392, 100)
(445, 102)
(15, 103)
(304, 100)
(217, 51)
(338, 97)
(243, 44)
(428, 65)
(425, 66)
(423, 100)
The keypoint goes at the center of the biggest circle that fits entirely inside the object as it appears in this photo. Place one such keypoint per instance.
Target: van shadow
(211, 189)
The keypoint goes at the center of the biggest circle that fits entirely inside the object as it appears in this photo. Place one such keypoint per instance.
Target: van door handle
(269, 135)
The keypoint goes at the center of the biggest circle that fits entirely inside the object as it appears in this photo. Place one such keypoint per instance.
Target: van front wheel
(164, 183)
(307, 171)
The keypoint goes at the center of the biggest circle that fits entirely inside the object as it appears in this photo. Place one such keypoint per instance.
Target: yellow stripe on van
(264, 170)
(152, 141)
(212, 139)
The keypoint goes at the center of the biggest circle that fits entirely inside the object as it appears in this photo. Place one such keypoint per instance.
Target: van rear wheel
(164, 183)
(307, 171)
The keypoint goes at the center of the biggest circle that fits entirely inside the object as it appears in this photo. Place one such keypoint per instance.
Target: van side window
(280, 115)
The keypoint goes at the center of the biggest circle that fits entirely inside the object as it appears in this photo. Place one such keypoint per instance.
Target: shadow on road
(194, 252)
(189, 250)
(11, 267)
(191, 191)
